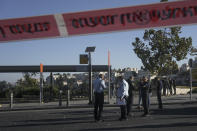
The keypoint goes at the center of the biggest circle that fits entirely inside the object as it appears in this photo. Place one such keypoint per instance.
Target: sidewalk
(84, 103)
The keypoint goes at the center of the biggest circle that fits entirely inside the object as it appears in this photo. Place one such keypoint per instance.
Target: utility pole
(109, 78)
(190, 69)
(51, 87)
(90, 79)
(89, 50)
(41, 84)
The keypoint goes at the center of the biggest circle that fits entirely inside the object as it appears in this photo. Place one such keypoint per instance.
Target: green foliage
(194, 90)
(27, 86)
(34, 91)
(160, 49)
(75, 90)
(4, 89)
(18, 92)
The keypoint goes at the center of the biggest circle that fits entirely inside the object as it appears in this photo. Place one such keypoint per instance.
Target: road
(175, 116)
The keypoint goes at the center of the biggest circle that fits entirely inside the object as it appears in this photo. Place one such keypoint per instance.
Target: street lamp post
(190, 69)
(11, 97)
(68, 93)
(41, 84)
(60, 97)
(89, 50)
(60, 84)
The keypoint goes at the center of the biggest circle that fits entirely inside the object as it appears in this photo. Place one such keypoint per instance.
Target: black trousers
(159, 99)
(170, 88)
(123, 111)
(145, 102)
(164, 90)
(174, 88)
(98, 105)
(129, 103)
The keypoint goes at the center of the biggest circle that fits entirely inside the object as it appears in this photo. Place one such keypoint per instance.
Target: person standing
(149, 91)
(144, 86)
(170, 85)
(164, 87)
(131, 96)
(99, 86)
(174, 86)
(139, 95)
(122, 94)
(158, 84)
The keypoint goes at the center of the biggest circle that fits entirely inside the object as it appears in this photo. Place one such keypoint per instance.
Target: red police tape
(28, 28)
(115, 19)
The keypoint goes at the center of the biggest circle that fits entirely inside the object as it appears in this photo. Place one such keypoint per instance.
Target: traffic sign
(83, 59)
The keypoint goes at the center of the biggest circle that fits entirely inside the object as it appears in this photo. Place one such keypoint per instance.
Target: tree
(4, 89)
(193, 51)
(29, 81)
(27, 87)
(160, 49)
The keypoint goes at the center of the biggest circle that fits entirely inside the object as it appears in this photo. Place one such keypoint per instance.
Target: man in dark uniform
(164, 87)
(144, 87)
(99, 85)
(170, 85)
(158, 84)
(174, 86)
(131, 96)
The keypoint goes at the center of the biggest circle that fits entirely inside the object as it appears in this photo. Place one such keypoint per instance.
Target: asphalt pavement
(179, 114)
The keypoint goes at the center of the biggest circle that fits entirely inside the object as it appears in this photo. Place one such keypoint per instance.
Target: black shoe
(130, 115)
(140, 107)
(123, 119)
(101, 120)
(95, 120)
(120, 119)
(145, 115)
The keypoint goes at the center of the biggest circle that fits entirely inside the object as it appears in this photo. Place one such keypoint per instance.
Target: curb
(83, 106)
(55, 107)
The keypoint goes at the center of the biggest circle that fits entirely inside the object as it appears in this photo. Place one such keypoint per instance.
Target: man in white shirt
(122, 94)
(99, 86)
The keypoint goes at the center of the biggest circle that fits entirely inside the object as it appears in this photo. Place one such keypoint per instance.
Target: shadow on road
(73, 117)
(157, 126)
(47, 122)
(178, 111)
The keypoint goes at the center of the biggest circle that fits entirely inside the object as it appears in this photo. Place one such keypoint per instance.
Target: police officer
(122, 94)
(158, 84)
(139, 95)
(174, 86)
(164, 87)
(144, 87)
(170, 85)
(99, 85)
(131, 96)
